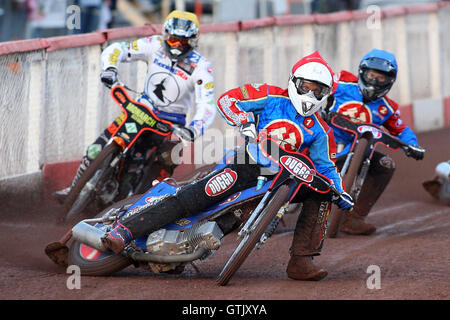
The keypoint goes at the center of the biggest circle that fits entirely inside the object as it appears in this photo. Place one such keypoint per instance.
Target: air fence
(53, 104)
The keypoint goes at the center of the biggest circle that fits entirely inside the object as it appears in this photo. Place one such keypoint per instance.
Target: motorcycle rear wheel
(337, 214)
(78, 199)
(250, 240)
(91, 261)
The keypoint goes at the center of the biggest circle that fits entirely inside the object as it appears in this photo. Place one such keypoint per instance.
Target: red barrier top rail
(102, 36)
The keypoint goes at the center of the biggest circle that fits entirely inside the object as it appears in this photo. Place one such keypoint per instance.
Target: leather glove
(109, 77)
(415, 152)
(248, 129)
(344, 201)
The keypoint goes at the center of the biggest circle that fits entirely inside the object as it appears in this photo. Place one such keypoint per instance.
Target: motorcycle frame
(375, 136)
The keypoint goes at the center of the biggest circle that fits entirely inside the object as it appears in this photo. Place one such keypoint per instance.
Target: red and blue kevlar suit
(274, 113)
(348, 100)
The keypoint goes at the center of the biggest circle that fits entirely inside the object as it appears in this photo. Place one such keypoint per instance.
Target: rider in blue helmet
(364, 99)
(377, 73)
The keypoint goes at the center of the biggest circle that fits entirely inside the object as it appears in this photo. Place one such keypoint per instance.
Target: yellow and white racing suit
(170, 87)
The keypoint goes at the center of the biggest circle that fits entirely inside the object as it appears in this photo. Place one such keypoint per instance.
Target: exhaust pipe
(89, 235)
(178, 258)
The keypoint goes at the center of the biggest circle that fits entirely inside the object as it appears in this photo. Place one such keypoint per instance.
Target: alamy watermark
(373, 22)
(374, 280)
(73, 20)
(74, 280)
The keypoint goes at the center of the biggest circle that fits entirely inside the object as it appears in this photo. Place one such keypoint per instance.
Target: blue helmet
(377, 73)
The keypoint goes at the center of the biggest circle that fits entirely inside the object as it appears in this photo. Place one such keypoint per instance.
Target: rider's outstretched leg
(380, 173)
(308, 240)
(188, 200)
(91, 153)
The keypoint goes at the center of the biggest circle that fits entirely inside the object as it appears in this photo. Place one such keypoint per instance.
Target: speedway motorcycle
(121, 170)
(367, 137)
(255, 212)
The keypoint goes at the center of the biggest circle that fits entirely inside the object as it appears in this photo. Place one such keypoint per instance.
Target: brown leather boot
(117, 239)
(354, 224)
(302, 268)
(380, 173)
(307, 242)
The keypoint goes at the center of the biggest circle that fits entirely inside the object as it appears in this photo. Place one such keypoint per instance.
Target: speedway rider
(364, 99)
(176, 74)
(287, 114)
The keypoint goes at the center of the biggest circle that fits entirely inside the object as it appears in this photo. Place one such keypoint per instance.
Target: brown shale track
(410, 247)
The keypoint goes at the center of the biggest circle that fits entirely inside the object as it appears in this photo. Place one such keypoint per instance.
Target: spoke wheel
(249, 241)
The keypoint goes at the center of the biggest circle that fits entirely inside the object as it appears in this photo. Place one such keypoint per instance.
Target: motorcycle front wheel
(249, 241)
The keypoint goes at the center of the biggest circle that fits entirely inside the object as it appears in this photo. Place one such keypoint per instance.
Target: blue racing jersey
(274, 113)
(348, 100)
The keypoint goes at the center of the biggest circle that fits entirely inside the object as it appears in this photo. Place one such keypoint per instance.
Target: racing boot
(91, 153)
(61, 195)
(354, 224)
(302, 268)
(307, 242)
(380, 173)
(117, 239)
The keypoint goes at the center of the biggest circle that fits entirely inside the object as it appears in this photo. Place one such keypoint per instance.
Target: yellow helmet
(180, 31)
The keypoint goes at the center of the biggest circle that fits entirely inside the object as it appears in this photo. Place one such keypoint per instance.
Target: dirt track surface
(410, 247)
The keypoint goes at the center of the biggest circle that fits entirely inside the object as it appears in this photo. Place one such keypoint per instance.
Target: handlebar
(177, 129)
(346, 123)
(182, 132)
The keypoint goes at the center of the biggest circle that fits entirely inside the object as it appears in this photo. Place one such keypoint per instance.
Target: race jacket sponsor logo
(297, 168)
(356, 110)
(287, 132)
(375, 132)
(149, 201)
(221, 182)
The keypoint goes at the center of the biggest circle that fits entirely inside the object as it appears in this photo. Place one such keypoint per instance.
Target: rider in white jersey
(170, 84)
(178, 77)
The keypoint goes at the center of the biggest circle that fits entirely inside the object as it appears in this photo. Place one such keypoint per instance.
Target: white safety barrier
(53, 104)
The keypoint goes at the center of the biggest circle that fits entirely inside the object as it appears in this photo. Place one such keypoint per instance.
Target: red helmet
(310, 83)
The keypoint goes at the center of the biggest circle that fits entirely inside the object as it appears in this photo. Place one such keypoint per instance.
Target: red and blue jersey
(384, 112)
(274, 113)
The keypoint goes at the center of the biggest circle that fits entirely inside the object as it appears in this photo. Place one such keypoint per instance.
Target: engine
(174, 242)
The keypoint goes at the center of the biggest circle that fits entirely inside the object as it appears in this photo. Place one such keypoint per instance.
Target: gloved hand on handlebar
(188, 134)
(415, 152)
(109, 76)
(248, 129)
(344, 201)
